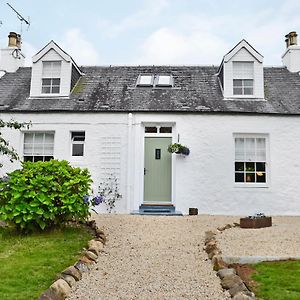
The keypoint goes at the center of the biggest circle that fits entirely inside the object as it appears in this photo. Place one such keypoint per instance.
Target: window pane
(237, 82)
(48, 149)
(49, 138)
(28, 137)
(28, 149)
(164, 80)
(151, 129)
(239, 166)
(237, 91)
(77, 150)
(145, 80)
(28, 158)
(250, 166)
(38, 158)
(47, 158)
(250, 149)
(46, 82)
(46, 90)
(260, 166)
(250, 177)
(248, 91)
(38, 138)
(55, 90)
(56, 81)
(260, 177)
(239, 149)
(78, 134)
(239, 177)
(248, 82)
(165, 129)
(243, 70)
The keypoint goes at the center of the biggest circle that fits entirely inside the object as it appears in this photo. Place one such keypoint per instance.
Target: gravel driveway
(149, 257)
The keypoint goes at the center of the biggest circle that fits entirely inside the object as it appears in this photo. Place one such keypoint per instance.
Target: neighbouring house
(240, 121)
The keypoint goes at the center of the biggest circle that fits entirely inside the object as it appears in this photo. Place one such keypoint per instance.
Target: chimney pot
(291, 39)
(12, 39)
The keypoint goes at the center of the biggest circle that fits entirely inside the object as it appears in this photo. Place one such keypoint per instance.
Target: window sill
(242, 98)
(251, 185)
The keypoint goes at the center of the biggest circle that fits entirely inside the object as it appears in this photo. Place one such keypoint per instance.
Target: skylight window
(155, 80)
(145, 80)
(164, 80)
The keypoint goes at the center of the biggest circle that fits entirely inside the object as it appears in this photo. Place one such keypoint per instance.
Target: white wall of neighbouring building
(204, 179)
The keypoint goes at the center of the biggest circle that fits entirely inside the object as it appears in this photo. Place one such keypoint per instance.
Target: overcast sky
(98, 32)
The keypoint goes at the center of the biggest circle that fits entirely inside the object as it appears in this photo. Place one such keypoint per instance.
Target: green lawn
(278, 280)
(29, 264)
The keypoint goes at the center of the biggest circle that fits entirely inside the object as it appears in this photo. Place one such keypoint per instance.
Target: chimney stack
(11, 58)
(291, 57)
(291, 39)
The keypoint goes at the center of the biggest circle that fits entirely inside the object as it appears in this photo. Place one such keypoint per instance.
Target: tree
(5, 148)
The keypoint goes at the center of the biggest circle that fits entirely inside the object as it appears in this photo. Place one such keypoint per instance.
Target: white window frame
(73, 142)
(243, 77)
(170, 84)
(33, 154)
(267, 164)
(51, 77)
(139, 83)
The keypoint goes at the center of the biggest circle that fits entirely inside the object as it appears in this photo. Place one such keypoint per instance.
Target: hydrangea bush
(45, 194)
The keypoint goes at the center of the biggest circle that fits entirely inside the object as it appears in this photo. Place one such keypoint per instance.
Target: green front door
(157, 172)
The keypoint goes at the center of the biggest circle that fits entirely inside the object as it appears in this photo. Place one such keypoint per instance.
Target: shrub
(44, 194)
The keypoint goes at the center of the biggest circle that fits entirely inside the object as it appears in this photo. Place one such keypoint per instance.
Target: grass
(29, 264)
(278, 280)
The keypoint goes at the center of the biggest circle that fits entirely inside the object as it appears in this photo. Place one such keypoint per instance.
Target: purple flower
(97, 200)
(86, 199)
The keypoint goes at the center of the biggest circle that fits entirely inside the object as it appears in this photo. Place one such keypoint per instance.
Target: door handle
(145, 170)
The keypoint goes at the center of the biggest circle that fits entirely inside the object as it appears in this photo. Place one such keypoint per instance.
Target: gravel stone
(150, 257)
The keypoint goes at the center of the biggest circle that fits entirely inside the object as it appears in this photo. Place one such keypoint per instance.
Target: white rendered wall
(8, 62)
(291, 58)
(103, 133)
(205, 178)
(36, 77)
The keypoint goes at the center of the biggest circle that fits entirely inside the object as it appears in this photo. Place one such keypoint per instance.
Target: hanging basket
(178, 149)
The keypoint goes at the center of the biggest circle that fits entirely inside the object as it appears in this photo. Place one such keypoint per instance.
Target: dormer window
(145, 80)
(51, 77)
(243, 77)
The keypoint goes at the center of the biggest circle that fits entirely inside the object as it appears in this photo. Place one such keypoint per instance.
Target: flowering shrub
(44, 194)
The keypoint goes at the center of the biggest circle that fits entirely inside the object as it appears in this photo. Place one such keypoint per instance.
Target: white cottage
(240, 121)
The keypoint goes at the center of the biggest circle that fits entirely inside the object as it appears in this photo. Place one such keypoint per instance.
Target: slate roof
(196, 89)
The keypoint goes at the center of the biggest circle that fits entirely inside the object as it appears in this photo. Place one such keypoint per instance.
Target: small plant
(44, 194)
(178, 149)
(109, 192)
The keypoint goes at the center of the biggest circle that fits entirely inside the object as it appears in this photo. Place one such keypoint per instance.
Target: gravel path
(153, 258)
(281, 240)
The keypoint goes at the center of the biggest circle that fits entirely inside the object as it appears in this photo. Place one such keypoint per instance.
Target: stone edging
(61, 288)
(230, 281)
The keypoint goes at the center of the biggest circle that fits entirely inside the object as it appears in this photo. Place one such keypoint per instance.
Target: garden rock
(74, 272)
(82, 267)
(213, 253)
(226, 272)
(210, 246)
(218, 263)
(61, 288)
(229, 281)
(209, 235)
(90, 255)
(49, 294)
(69, 279)
(236, 288)
(95, 246)
(244, 296)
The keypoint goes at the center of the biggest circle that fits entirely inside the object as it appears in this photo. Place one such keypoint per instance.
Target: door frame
(159, 135)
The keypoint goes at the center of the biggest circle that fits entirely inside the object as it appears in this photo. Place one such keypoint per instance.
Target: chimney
(11, 58)
(291, 56)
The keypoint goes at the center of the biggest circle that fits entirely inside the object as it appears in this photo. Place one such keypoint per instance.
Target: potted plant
(178, 149)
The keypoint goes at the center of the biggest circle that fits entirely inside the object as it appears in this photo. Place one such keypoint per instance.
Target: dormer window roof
(155, 80)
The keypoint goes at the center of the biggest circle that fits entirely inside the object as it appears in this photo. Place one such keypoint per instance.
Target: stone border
(61, 288)
(230, 281)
